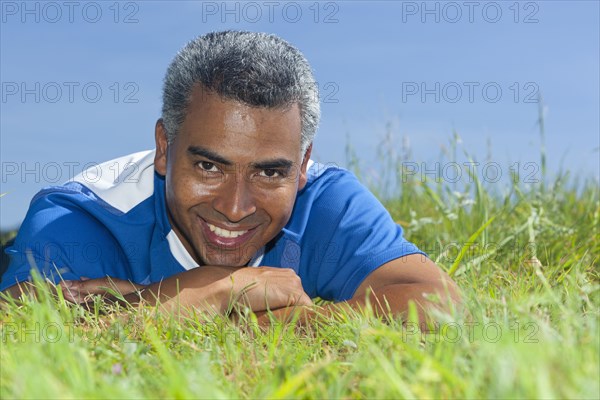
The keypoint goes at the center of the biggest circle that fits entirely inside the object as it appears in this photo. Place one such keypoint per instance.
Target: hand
(78, 291)
(267, 288)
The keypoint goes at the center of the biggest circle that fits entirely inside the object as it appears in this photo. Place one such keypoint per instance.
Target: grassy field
(524, 254)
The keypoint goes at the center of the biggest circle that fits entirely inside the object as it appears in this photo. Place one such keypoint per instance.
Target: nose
(235, 199)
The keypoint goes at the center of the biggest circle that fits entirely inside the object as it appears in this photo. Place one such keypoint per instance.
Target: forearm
(388, 302)
(205, 289)
(394, 300)
(216, 289)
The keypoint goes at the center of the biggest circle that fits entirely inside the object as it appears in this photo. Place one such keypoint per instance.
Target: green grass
(526, 259)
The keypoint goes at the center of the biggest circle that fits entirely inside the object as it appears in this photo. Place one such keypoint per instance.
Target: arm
(411, 278)
(389, 290)
(201, 288)
(208, 288)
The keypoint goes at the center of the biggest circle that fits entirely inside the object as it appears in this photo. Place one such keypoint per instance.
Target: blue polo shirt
(111, 220)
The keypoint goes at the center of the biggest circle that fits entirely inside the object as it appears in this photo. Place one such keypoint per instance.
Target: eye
(270, 173)
(207, 166)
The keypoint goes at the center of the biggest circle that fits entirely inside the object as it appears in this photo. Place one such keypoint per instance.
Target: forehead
(236, 128)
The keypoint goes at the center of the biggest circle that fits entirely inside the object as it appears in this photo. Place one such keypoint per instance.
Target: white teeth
(224, 232)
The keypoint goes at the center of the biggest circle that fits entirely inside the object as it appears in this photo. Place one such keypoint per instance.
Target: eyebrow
(211, 155)
(276, 163)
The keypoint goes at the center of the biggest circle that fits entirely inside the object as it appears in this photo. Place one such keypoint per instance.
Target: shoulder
(332, 192)
(113, 188)
(121, 183)
(104, 198)
(95, 222)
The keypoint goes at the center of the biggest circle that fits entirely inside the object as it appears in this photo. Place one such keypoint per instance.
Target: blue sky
(81, 83)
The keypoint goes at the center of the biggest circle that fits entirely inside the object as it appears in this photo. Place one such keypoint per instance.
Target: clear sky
(81, 81)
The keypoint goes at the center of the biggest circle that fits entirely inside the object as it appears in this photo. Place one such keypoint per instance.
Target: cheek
(182, 191)
(280, 206)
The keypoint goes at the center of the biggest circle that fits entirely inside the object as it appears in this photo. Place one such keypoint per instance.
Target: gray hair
(257, 69)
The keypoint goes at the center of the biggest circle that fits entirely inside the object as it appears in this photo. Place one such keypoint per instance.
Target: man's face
(232, 175)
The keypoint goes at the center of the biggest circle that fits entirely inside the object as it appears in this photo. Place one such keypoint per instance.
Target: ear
(303, 178)
(160, 158)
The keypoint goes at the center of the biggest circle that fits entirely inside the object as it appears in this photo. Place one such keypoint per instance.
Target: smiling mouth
(224, 233)
(226, 239)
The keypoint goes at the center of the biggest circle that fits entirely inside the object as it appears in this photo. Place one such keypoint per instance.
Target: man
(229, 209)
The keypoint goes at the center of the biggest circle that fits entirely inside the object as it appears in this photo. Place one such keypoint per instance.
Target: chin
(225, 260)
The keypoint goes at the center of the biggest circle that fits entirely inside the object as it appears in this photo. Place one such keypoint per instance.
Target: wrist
(223, 299)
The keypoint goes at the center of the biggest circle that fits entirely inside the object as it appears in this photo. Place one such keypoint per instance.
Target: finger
(305, 301)
(72, 295)
(90, 286)
(70, 287)
(300, 299)
(66, 284)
